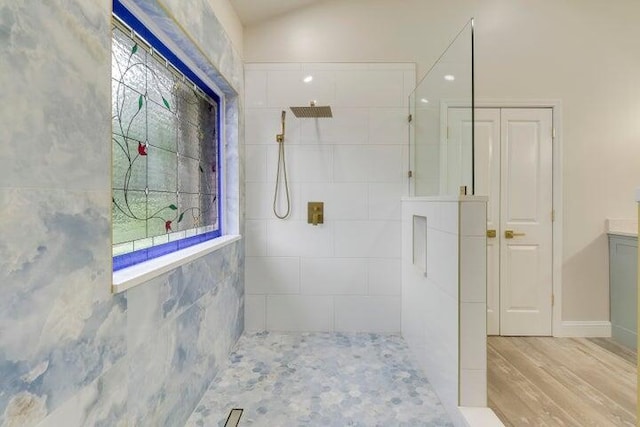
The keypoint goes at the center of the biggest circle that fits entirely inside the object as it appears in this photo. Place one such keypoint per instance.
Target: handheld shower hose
(282, 166)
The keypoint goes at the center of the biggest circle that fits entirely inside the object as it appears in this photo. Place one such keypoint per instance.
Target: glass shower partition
(441, 123)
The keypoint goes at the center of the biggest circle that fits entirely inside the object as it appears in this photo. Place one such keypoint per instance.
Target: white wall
(583, 52)
(344, 274)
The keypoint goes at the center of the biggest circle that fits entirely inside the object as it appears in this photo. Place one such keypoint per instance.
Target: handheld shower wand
(282, 165)
(280, 136)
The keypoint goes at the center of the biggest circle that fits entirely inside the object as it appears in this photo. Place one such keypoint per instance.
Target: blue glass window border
(139, 256)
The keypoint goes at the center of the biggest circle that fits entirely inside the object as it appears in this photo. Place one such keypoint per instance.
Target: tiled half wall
(444, 298)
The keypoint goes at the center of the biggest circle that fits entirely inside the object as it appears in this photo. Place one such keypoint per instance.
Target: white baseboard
(480, 417)
(585, 328)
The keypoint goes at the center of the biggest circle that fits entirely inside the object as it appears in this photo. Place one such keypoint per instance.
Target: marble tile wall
(71, 353)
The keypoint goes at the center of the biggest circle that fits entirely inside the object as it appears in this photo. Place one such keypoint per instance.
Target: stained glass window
(165, 152)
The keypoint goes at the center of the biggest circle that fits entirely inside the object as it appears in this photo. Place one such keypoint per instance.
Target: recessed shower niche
(420, 243)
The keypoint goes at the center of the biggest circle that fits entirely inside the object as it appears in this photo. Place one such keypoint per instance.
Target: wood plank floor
(543, 381)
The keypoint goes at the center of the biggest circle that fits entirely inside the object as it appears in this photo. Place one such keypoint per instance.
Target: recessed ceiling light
(424, 100)
(308, 79)
(449, 77)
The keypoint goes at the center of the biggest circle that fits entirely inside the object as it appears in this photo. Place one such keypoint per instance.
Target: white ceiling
(254, 11)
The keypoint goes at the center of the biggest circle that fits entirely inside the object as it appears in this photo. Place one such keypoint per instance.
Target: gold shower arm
(280, 136)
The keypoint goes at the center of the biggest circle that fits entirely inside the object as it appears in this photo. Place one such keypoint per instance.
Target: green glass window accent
(165, 158)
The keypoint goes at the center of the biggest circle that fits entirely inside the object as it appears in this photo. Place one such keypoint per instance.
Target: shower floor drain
(234, 418)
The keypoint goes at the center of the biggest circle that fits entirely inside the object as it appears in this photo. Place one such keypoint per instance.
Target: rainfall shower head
(312, 111)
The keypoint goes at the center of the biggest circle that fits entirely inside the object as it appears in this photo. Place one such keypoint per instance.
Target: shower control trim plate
(315, 213)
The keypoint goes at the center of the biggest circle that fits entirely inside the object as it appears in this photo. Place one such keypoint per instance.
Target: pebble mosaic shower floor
(321, 379)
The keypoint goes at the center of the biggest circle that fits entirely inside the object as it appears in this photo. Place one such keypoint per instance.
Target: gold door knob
(491, 233)
(510, 234)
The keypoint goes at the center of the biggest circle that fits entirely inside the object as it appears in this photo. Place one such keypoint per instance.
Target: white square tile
(255, 163)
(312, 164)
(334, 276)
(473, 336)
(259, 199)
(263, 124)
(341, 201)
(255, 238)
(388, 126)
(448, 308)
(442, 322)
(473, 388)
(386, 164)
(473, 218)
(303, 313)
(287, 88)
(368, 163)
(255, 309)
(297, 238)
(348, 126)
(369, 88)
(442, 261)
(272, 275)
(304, 163)
(367, 314)
(385, 200)
(427, 209)
(377, 239)
(272, 156)
(384, 276)
(448, 217)
(473, 269)
(351, 163)
(255, 88)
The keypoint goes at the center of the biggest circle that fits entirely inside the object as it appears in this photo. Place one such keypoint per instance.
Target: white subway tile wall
(343, 275)
(299, 313)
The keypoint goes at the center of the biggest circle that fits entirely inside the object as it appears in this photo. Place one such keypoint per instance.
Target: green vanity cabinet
(623, 274)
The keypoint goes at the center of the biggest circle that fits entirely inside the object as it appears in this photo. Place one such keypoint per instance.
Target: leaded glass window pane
(164, 145)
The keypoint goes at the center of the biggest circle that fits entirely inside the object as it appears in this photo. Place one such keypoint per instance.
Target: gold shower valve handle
(315, 213)
(510, 234)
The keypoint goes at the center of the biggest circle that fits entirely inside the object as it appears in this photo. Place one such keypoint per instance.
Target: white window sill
(137, 274)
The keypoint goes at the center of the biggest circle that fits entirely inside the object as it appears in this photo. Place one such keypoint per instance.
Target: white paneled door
(526, 221)
(487, 183)
(513, 158)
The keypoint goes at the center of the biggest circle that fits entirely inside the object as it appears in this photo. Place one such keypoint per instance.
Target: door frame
(557, 329)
